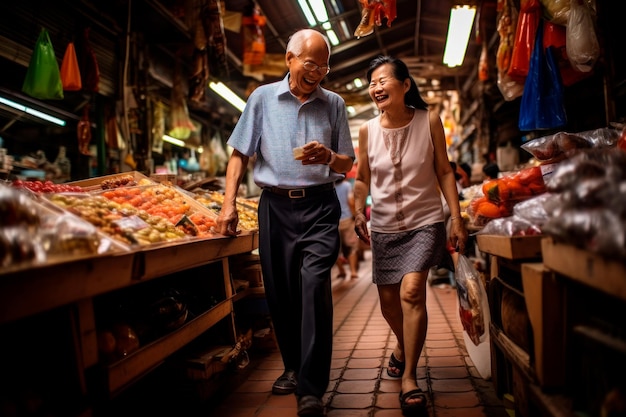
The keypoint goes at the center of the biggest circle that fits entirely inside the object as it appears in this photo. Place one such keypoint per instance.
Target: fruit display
(42, 187)
(31, 233)
(248, 219)
(140, 215)
(500, 195)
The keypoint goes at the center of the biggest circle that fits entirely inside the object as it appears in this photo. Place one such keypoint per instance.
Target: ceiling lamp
(459, 29)
(316, 13)
(32, 112)
(228, 95)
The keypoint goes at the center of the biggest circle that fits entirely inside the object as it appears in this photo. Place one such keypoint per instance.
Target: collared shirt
(274, 122)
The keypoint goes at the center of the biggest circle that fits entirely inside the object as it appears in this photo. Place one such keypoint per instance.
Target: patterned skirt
(396, 254)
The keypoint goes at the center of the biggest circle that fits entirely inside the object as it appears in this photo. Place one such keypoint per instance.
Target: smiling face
(302, 82)
(385, 90)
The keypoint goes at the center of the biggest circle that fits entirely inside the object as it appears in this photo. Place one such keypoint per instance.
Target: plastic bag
(525, 33)
(473, 306)
(582, 44)
(70, 72)
(43, 78)
(90, 71)
(542, 104)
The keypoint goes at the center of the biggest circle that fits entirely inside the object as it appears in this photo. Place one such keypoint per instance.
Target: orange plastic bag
(70, 73)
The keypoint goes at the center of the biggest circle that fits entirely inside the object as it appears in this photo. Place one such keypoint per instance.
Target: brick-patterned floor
(359, 385)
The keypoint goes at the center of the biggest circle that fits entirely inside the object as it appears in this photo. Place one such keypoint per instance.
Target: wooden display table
(29, 296)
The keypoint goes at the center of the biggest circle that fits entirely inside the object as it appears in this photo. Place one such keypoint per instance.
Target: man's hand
(228, 220)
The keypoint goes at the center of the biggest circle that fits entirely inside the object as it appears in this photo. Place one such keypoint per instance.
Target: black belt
(301, 192)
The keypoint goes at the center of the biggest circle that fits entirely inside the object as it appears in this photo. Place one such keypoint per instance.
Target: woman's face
(385, 90)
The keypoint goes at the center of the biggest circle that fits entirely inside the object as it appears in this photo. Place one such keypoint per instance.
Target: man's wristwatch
(331, 158)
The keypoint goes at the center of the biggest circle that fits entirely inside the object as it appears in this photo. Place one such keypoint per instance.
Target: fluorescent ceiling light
(174, 141)
(307, 12)
(36, 113)
(228, 95)
(358, 83)
(332, 37)
(320, 10)
(459, 29)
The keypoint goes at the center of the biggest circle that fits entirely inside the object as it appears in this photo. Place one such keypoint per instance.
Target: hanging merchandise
(83, 131)
(70, 72)
(556, 11)
(529, 16)
(542, 104)
(253, 38)
(483, 63)
(43, 78)
(581, 43)
(89, 70)
(554, 37)
(507, 22)
(158, 127)
(214, 29)
(180, 124)
(372, 15)
(200, 63)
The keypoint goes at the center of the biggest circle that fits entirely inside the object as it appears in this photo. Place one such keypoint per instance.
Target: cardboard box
(511, 247)
(544, 297)
(606, 275)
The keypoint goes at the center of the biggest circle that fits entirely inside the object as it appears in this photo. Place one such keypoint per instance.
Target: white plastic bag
(581, 42)
(474, 315)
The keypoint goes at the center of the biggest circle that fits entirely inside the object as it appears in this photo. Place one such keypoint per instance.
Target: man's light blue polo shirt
(274, 122)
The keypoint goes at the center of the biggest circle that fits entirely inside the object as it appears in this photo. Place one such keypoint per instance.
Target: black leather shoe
(310, 406)
(285, 384)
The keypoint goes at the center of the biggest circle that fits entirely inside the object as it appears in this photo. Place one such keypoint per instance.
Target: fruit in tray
(122, 222)
(247, 209)
(164, 202)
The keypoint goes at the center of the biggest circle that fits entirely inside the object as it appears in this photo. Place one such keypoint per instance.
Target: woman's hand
(458, 234)
(360, 227)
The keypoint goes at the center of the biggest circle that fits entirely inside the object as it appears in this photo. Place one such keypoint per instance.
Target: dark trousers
(298, 245)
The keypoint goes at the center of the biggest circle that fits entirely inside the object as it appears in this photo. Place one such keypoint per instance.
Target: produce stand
(593, 288)
(65, 295)
(510, 329)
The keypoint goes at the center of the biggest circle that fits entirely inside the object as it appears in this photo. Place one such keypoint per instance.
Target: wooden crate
(544, 297)
(588, 268)
(511, 247)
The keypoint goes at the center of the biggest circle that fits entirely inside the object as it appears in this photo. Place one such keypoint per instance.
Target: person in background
(466, 173)
(491, 171)
(349, 240)
(403, 163)
(298, 209)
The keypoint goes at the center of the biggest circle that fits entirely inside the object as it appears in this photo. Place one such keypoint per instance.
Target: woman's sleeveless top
(404, 190)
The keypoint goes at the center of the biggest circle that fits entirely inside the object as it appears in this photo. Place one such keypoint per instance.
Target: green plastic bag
(43, 78)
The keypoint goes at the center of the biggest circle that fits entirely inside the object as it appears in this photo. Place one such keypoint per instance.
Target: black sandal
(413, 409)
(395, 363)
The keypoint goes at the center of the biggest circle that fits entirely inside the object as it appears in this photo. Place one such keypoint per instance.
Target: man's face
(314, 56)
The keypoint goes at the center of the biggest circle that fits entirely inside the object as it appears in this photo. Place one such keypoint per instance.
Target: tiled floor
(359, 384)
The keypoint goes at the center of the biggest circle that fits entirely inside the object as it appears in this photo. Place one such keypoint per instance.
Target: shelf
(588, 268)
(516, 355)
(249, 292)
(125, 371)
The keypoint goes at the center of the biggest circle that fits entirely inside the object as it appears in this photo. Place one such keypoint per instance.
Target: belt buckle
(296, 193)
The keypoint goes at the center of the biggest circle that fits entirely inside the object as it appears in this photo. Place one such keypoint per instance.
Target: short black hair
(491, 170)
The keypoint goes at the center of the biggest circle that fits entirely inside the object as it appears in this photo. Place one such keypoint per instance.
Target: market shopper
(402, 160)
(349, 252)
(298, 209)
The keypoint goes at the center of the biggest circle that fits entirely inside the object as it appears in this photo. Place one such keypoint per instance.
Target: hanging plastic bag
(554, 36)
(529, 16)
(90, 71)
(253, 37)
(542, 102)
(83, 132)
(581, 43)
(43, 78)
(70, 72)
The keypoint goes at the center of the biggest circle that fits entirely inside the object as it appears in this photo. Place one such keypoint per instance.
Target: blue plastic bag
(542, 101)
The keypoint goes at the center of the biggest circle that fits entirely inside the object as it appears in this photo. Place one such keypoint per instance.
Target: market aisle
(359, 384)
